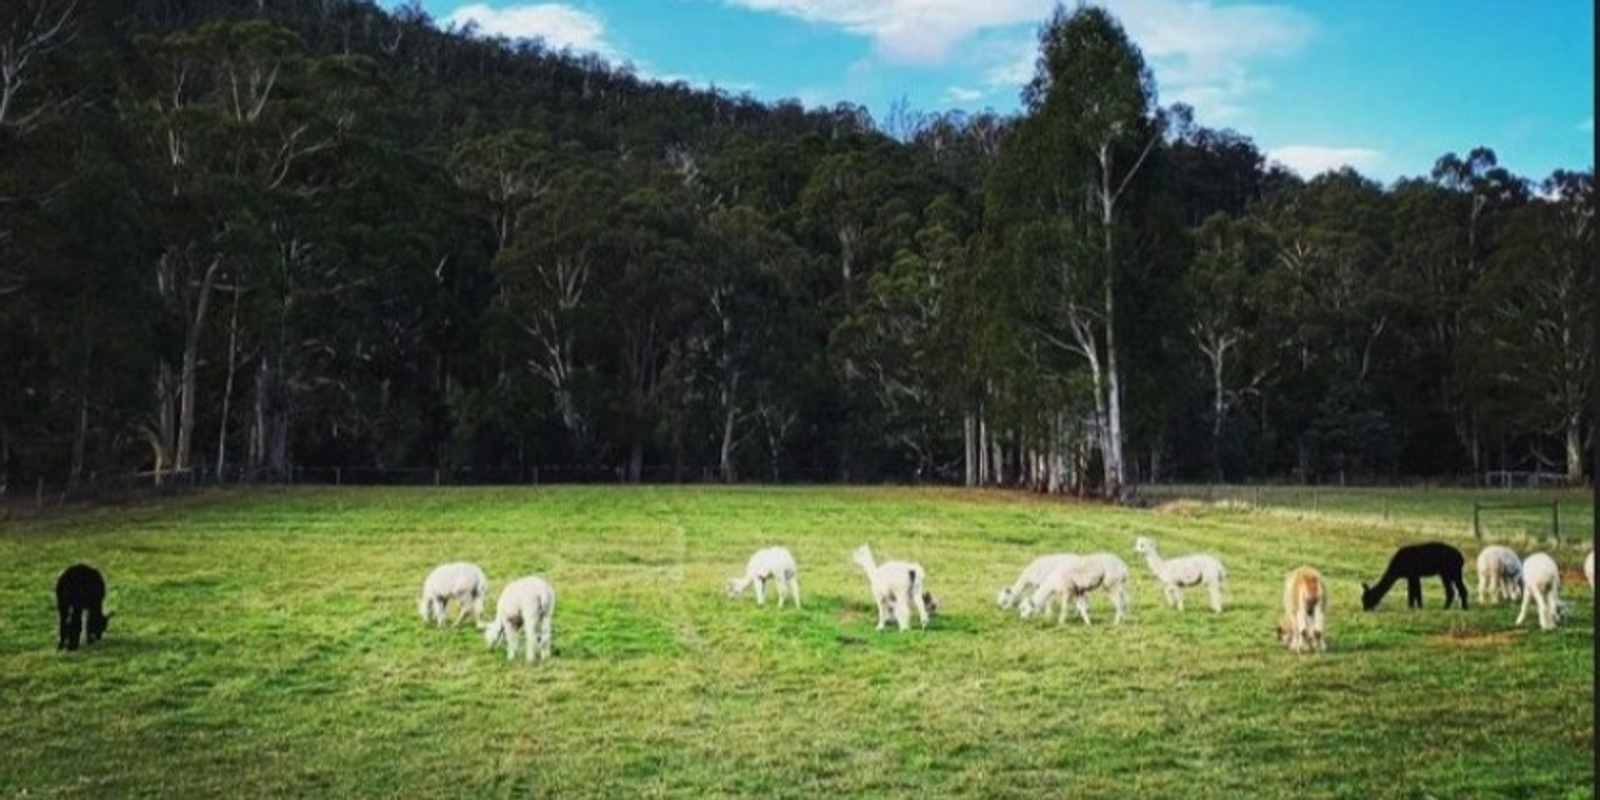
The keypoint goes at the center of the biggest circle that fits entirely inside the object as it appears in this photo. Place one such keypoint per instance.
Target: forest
(248, 241)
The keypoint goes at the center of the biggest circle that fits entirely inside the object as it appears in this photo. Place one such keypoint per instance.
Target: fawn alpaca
(1305, 608)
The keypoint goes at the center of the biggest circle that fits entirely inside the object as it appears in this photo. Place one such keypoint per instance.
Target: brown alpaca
(1305, 606)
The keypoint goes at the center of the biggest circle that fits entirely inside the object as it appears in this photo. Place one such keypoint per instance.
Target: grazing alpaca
(1542, 585)
(1415, 562)
(80, 590)
(897, 588)
(775, 564)
(1305, 607)
(1499, 574)
(1032, 575)
(526, 606)
(460, 581)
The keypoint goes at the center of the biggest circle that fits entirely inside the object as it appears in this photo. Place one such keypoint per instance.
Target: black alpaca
(80, 589)
(1415, 562)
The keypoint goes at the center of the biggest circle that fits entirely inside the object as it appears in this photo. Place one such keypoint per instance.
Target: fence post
(1477, 532)
(1555, 520)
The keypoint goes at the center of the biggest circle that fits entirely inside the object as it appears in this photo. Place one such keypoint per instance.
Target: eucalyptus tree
(1535, 315)
(1230, 257)
(1089, 126)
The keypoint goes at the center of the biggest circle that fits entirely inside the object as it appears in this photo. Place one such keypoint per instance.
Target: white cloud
(1202, 53)
(962, 95)
(909, 31)
(1311, 160)
(558, 24)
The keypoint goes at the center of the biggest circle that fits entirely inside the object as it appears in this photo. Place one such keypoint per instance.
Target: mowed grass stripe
(267, 643)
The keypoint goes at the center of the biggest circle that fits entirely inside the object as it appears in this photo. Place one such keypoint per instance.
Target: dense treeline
(239, 238)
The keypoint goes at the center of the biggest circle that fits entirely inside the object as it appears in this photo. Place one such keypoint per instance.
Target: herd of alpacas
(526, 605)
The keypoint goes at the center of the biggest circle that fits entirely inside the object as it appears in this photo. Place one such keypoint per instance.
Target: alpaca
(80, 591)
(1305, 607)
(1177, 573)
(462, 581)
(526, 605)
(1542, 585)
(1074, 579)
(1588, 569)
(1415, 562)
(775, 564)
(1032, 575)
(1499, 574)
(897, 588)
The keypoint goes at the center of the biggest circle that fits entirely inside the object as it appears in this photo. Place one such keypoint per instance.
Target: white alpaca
(1541, 584)
(526, 605)
(1033, 575)
(897, 587)
(461, 581)
(1499, 574)
(1075, 579)
(774, 564)
(1305, 608)
(1588, 569)
(1178, 573)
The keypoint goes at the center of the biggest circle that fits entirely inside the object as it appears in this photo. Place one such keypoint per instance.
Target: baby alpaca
(897, 587)
(1178, 573)
(1499, 574)
(1541, 583)
(1414, 562)
(80, 592)
(1305, 606)
(1075, 579)
(774, 564)
(526, 605)
(461, 581)
(1033, 575)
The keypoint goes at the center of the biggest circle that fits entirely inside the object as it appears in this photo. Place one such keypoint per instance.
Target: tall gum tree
(1089, 125)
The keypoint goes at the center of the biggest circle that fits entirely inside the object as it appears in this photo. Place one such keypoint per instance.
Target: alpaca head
(930, 602)
(1143, 546)
(735, 587)
(1284, 631)
(1027, 608)
(1369, 598)
(493, 633)
(863, 557)
(97, 625)
(1005, 598)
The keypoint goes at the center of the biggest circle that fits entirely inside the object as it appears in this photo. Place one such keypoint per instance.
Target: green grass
(266, 643)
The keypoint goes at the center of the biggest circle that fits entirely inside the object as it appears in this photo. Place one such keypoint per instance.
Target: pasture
(266, 643)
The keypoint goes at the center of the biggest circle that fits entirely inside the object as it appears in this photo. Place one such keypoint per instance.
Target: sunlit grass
(267, 643)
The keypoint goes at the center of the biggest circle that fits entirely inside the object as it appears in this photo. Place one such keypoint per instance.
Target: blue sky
(1386, 86)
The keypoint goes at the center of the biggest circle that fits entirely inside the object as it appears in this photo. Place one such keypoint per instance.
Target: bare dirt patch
(1466, 636)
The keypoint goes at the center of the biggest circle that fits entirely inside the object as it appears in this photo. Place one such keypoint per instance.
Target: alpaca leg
(1177, 597)
(511, 630)
(1215, 589)
(1081, 600)
(530, 641)
(549, 635)
(1318, 638)
(902, 612)
(883, 612)
(1523, 614)
(761, 591)
(794, 591)
(922, 608)
(1119, 603)
(1461, 589)
(1413, 592)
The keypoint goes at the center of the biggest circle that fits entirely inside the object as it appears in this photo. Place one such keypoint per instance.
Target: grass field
(266, 643)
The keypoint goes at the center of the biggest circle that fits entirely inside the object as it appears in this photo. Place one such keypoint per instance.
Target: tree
(1089, 129)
